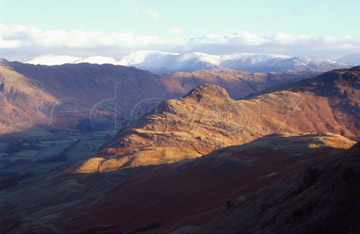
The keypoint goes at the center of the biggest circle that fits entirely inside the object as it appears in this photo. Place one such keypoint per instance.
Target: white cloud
(176, 30)
(210, 39)
(9, 44)
(30, 35)
(150, 12)
(281, 43)
(246, 38)
(240, 38)
(26, 42)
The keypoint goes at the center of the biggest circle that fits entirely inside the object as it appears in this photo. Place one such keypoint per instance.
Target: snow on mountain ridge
(97, 60)
(169, 62)
(51, 60)
(140, 56)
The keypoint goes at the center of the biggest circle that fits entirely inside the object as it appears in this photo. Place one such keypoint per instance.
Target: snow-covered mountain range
(166, 62)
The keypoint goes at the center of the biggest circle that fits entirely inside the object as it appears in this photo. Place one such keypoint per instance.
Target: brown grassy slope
(207, 119)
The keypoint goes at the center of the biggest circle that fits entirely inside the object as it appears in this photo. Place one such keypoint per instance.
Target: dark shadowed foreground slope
(163, 197)
(323, 198)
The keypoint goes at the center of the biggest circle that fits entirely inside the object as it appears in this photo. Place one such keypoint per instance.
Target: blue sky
(177, 24)
(195, 17)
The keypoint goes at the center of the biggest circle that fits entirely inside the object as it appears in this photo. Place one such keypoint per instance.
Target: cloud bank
(26, 42)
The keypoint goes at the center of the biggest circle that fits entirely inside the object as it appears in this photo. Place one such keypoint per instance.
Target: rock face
(323, 198)
(207, 119)
(104, 97)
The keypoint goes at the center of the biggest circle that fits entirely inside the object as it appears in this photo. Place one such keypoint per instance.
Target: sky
(82, 28)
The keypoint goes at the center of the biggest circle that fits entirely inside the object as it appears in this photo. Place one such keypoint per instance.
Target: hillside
(323, 198)
(167, 197)
(22, 101)
(207, 119)
(193, 157)
(238, 84)
(103, 97)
